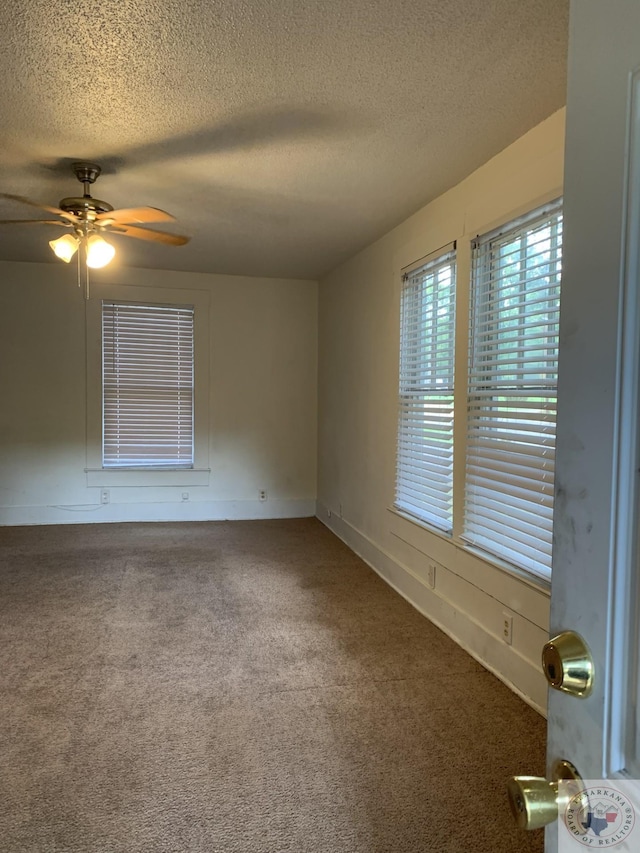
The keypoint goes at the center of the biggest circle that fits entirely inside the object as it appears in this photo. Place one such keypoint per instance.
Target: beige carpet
(244, 687)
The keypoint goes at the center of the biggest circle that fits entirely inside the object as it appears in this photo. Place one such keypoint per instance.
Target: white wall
(358, 370)
(261, 399)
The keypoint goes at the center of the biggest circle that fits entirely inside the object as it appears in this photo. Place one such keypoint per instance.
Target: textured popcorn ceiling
(284, 135)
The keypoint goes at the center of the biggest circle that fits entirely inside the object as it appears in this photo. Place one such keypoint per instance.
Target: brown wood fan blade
(34, 222)
(125, 215)
(70, 216)
(148, 234)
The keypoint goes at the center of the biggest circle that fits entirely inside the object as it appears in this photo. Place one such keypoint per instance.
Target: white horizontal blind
(147, 385)
(513, 366)
(424, 475)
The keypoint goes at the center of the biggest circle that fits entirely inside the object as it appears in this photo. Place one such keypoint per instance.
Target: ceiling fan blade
(70, 216)
(35, 222)
(148, 234)
(126, 215)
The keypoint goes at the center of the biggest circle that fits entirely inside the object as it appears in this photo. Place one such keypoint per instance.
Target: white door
(595, 588)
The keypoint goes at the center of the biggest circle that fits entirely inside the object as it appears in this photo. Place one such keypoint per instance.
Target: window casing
(424, 474)
(147, 385)
(512, 390)
(144, 476)
(491, 488)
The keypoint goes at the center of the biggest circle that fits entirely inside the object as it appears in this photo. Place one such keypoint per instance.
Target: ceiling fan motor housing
(85, 206)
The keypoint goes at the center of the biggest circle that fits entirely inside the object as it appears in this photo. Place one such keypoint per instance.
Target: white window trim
(498, 544)
(408, 472)
(476, 223)
(199, 475)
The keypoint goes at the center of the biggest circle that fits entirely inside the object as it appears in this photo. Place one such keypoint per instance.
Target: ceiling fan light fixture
(65, 247)
(99, 252)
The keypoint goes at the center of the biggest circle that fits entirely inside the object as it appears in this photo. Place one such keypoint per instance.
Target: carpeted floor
(242, 687)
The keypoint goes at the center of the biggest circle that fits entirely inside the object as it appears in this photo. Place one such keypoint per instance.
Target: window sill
(529, 578)
(105, 477)
(431, 528)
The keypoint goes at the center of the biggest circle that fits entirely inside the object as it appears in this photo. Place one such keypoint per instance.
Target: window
(488, 483)
(513, 366)
(147, 385)
(424, 483)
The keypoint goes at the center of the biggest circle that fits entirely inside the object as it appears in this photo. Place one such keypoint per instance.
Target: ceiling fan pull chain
(85, 267)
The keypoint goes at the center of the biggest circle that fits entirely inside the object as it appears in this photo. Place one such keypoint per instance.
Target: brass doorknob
(535, 801)
(568, 665)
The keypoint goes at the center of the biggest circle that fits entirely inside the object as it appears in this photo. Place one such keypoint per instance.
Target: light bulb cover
(99, 252)
(65, 247)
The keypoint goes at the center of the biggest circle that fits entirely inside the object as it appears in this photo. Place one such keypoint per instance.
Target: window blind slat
(147, 384)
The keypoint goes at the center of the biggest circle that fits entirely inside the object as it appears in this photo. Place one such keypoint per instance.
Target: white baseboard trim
(519, 674)
(160, 511)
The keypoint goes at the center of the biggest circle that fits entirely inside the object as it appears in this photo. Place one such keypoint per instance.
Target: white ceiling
(283, 134)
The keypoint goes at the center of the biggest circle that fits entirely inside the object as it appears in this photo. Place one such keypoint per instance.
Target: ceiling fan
(90, 218)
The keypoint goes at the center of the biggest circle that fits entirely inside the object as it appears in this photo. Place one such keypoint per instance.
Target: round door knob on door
(568, 665)
(533, 801)
(536, 802)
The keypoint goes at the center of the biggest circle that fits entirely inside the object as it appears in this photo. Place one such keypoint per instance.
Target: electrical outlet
(431, 575)
(340, 510)
(104, 496)
(185, 496)
(262, 494)
(507, 628)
